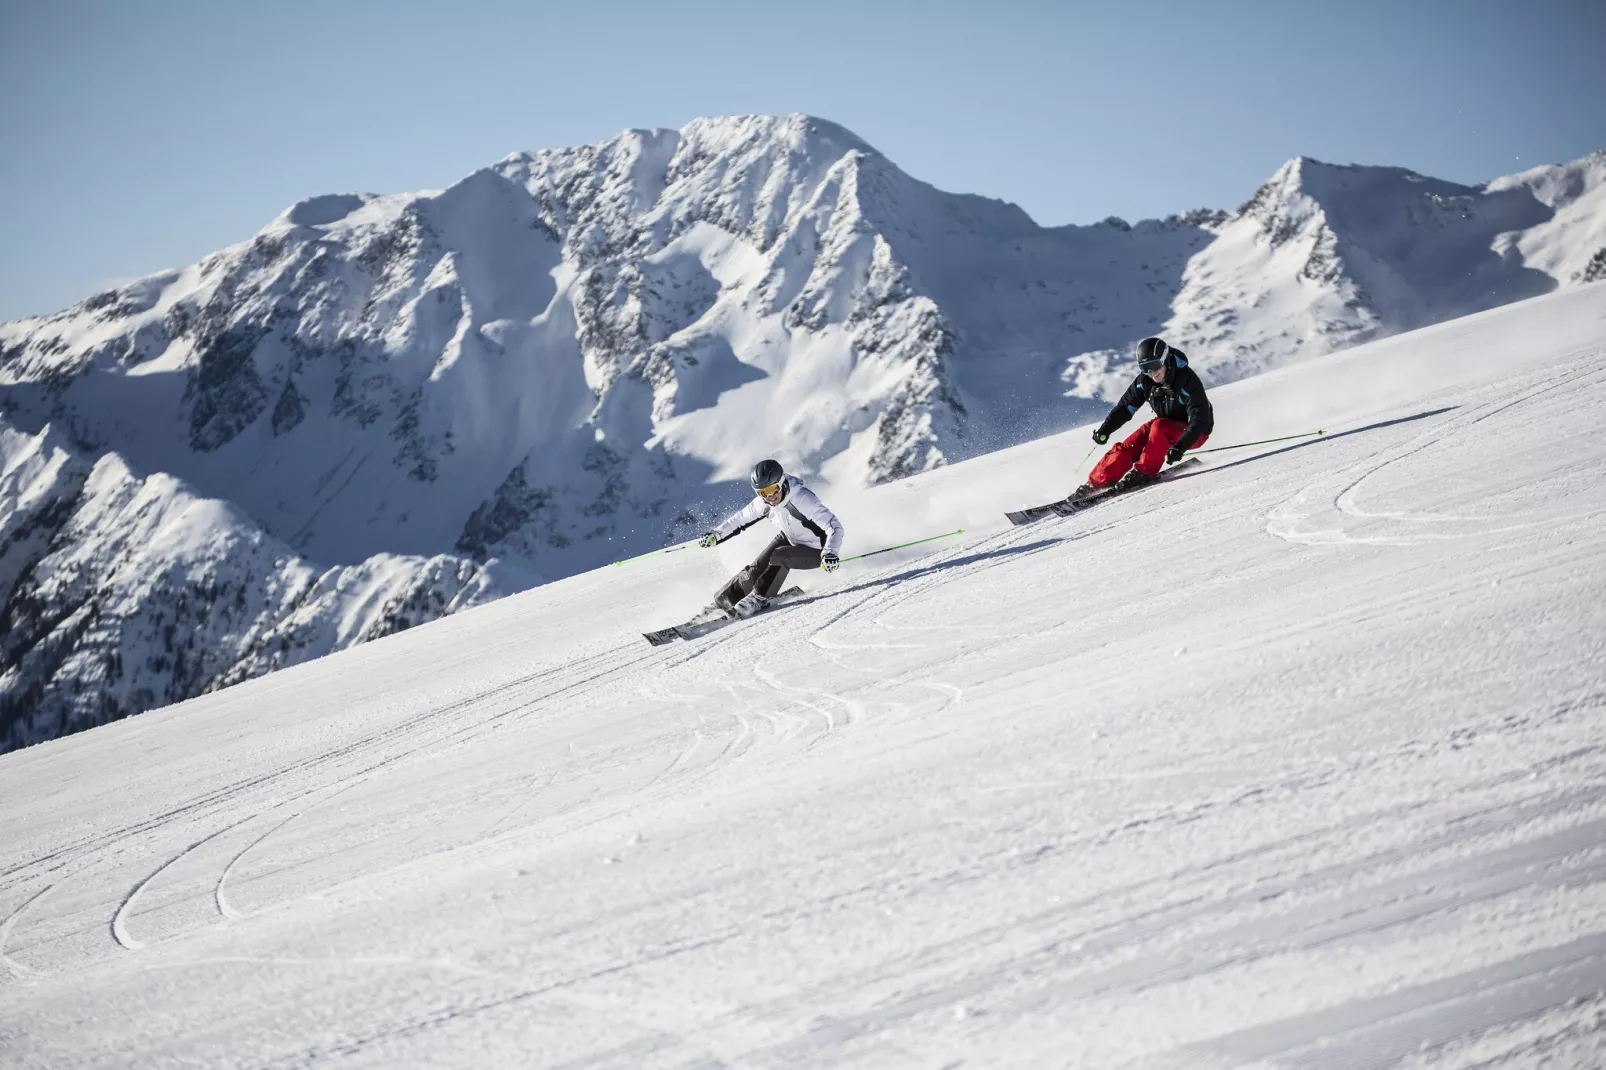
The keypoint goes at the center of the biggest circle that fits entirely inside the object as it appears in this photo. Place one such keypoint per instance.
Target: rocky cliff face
(571, 356)
(125, 592)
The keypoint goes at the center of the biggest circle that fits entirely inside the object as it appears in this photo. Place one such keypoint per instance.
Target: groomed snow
(1297, 761)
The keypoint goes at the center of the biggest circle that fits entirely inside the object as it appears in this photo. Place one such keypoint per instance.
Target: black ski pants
(769, 569)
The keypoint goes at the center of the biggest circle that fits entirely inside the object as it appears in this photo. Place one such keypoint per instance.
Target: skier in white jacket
(811, 537)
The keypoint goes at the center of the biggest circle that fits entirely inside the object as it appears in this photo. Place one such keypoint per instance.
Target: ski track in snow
(1295, 762)
(219, 894)
(406, 733)
(17, 968)
(1285, 521)
(119, 922)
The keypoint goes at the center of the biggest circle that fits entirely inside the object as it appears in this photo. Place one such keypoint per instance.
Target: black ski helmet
(766, 474)
(1151, 354)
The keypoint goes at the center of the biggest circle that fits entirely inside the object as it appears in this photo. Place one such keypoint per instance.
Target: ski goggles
(1150, 363)
(765, 492)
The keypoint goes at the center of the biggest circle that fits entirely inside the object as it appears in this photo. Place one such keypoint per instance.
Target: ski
(712, 619)
(1065, 507)
(669, 635)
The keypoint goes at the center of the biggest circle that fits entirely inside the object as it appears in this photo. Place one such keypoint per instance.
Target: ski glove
(1100, 437)
(1173, 455)
(830, 562)
(708, 539)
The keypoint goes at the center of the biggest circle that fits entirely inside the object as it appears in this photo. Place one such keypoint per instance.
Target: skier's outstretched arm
(1123, 410)
(738, 522)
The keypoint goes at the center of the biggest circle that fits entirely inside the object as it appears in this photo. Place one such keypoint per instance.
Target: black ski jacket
(1180, 397)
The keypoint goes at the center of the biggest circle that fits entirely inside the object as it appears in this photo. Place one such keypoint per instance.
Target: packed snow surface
(1294, 761)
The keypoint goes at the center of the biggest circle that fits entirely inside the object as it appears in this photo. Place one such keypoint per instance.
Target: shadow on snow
(1319, 441)
(940, 566)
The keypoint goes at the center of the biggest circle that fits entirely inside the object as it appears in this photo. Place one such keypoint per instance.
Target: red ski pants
(1145, 448)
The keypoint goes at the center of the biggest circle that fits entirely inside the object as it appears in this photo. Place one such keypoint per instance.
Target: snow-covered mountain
(573, 355)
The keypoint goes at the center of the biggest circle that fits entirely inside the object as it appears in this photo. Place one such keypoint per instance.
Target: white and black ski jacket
(801, 517)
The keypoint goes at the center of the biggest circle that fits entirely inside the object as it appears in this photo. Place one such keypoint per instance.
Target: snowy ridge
(1297, 760)
(1323, 257)
(574, 355)
(1571, 245)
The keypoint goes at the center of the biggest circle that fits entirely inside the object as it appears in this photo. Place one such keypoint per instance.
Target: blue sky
(139, 136)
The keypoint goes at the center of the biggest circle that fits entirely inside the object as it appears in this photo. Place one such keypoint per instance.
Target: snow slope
(1296, 761)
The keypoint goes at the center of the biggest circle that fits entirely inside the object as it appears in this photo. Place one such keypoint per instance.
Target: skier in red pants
(1182, 421)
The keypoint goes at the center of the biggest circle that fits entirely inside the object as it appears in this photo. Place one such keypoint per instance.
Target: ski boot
(751, 604)
(1082, 493)
(1133, 480)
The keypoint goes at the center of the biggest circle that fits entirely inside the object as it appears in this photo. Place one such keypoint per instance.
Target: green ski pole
(900, 546)
(1262, 442)
(855, 557)
(1086, 455)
